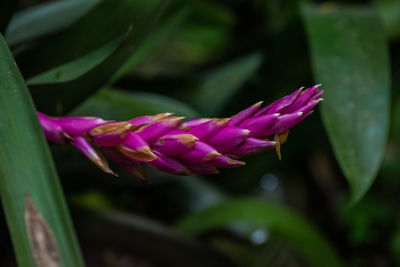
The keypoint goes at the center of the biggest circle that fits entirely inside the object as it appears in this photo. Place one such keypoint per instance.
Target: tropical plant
(94, 73)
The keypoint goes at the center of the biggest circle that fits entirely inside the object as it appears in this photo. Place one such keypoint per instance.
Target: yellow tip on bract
(278, 146)
(258, 104)
(101, 162)
(283, 137)
(141, 154)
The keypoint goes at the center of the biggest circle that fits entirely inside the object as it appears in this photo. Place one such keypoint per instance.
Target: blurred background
(125, 58)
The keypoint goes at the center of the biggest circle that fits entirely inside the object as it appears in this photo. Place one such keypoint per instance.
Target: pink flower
(167, 143)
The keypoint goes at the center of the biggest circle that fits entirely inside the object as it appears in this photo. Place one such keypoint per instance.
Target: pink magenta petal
(280, 104)
(140, 121)
(208, 129)
(259, 125)
(302, 100)
(225, 162)
(134, 147)
(52, 130)
(261, 112)
(284, 122)
(175, 143)
(317, 95)
(252, 146)
(166, 164)
(109, 134)
(244, 114)
(200, 153)
(151, 132)
(190, 124)
(75, 126)
(288, 121)
(228, 138)
(84, 146)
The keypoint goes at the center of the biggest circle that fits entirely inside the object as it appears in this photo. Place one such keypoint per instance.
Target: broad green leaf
(115, 104)
(27, 171)
(78, 67)
(287, 224)
(45, 18)
(202, 37)
(219, 85)
(350, 58)
(154, 41)
(105, 22)
(136, 17)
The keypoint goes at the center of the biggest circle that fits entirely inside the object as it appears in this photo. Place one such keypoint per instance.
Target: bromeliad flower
(168, 144)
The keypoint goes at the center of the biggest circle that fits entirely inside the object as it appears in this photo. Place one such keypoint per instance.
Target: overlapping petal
(167, 143)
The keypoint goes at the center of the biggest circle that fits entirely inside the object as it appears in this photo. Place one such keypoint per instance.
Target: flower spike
(199, 146)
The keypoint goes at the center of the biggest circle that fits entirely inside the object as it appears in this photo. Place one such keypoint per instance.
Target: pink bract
(168, 144)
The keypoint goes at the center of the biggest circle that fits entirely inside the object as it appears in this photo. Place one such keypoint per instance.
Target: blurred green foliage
(125, 58)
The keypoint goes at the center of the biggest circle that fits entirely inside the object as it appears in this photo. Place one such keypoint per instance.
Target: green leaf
(154, 41)
(105, 22)
(287, 224)
(45, 18)
(77, 68)
(27, 171)
(115, 104)
(219, 85)
(350, 58)
(133, 16)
